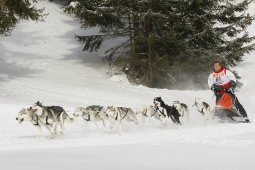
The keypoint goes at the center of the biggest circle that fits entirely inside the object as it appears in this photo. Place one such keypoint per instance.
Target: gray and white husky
(182, 109)
(203, 108)
(118, 114)
(92, 113)
(149, 111)
(52, 115)
(29, 114)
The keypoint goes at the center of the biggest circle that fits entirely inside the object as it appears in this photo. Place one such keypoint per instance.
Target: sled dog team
(52, 117)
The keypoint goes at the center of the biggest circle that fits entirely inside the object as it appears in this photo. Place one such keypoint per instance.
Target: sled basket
(225, 102)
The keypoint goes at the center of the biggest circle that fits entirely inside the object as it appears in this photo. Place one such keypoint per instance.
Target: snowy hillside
(40, 61)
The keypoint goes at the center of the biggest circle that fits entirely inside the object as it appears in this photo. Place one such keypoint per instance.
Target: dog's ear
(197, 99)
(157, 98)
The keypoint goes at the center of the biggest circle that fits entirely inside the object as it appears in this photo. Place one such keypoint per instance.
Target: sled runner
(225, 109)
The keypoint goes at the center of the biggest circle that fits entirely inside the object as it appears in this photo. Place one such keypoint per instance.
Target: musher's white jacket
(222, 78)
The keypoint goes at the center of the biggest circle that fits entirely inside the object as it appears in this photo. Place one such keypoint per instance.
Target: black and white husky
(52, 115)
(167, 111)
(92, 113)
(203, 108)
(182, 109)
(118, 114)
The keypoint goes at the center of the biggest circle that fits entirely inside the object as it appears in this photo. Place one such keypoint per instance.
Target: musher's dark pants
(237, 104)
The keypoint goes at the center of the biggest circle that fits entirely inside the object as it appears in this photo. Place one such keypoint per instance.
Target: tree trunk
(136, 35)
(150, 58)
(148, 29)
(131, 35)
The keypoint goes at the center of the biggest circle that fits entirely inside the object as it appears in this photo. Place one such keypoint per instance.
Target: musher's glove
(232, 84)
(216, 87)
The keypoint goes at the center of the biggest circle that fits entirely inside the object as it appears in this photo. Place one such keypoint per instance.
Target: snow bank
(43, 61)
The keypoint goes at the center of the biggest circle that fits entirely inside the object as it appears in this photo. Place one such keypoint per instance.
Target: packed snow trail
(42, 61)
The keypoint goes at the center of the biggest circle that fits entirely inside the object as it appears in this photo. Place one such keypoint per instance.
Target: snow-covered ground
(43, 61)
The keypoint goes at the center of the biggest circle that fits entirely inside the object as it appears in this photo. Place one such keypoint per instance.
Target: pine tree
(114, 18)
(12, 11)
(213, 30)
(170, 42)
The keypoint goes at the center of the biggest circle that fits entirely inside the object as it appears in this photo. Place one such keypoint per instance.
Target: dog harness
(87, 119)
(162, 112)
(35, 120)
(125, 114)
(156, 109)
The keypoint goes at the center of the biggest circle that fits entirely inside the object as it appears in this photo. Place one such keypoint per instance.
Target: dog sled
(226, 110)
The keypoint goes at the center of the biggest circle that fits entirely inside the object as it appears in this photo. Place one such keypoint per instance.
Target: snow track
(43, 61)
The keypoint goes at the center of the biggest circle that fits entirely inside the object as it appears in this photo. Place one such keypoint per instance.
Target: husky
(149, 111)
(92, 113)
(167, 111)
(117, 114)
(182, 109)
(203, 108)
(29, 114)
(52, 115)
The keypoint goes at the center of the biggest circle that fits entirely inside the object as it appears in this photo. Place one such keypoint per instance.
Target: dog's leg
(144, 114)
(163, 121)
(210, 116)
(119, 121)
(62, 123)
(103, 122)
(96, 124)
(206, 116)
(112, 122)
(177, 119)
(119, 127)
(182, 119)
(134, 118)
(50, 131)
(187, 115)
(205, 120)
(143, 119)
(55, 127)
(40, 129)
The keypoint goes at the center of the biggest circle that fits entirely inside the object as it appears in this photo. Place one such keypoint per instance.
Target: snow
(73, 4)
(43, 61)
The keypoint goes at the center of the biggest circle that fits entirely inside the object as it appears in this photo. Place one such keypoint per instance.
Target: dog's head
(176, 104)
(95, 108)
(78, 111)
(198, 102)
(25, 114)
(82, 112)
(110, 111)
(38, 104)
(157, 101)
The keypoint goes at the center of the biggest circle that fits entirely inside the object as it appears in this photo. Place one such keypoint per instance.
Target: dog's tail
(68, 118)
(71, 120)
